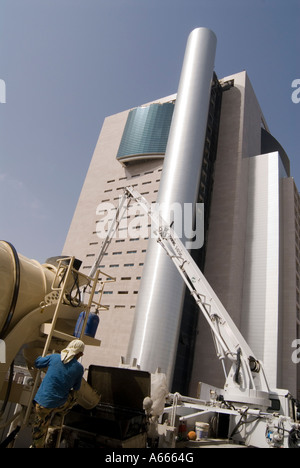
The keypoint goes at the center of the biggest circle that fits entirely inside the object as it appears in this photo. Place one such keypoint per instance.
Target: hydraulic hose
(15, 291)
(9, 385)
(10, 438)
(9, 318)
(238, 366)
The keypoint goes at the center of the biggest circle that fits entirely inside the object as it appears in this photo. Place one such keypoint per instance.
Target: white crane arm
(246, 373)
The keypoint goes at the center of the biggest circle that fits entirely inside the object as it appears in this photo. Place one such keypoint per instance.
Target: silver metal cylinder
(158, 313)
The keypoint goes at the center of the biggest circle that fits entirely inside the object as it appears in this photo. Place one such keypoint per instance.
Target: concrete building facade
(252, 233)
(103, 187)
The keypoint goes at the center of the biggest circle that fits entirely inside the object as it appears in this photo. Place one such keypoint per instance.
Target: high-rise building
(227, 159)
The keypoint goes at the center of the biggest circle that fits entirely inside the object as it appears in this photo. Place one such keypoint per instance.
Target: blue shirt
(58, 381)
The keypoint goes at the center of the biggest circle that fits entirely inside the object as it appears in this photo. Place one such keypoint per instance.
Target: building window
(146, 132)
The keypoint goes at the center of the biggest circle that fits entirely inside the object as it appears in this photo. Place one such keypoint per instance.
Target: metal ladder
(59, 297)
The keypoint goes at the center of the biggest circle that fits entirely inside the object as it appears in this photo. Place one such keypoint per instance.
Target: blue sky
(67, 64)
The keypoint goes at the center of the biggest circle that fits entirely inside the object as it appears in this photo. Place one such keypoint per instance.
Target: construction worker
(56, 394)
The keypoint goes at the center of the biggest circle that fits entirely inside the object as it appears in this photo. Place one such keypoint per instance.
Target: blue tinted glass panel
(146, 131)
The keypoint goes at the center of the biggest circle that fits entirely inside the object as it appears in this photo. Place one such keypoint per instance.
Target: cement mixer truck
(39, 309)
(42, 308)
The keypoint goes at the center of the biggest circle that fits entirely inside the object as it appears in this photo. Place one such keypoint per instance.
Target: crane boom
(246, 379)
